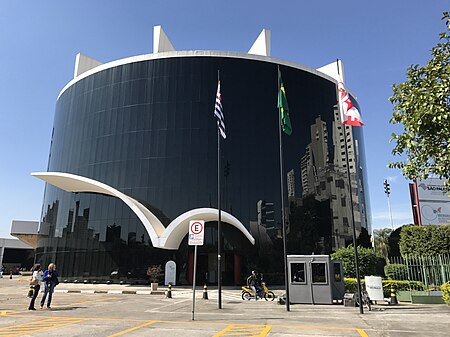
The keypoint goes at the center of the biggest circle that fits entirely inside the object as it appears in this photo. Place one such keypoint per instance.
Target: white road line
(165, 306)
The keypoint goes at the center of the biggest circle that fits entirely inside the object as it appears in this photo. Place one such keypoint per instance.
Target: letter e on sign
(196, 232)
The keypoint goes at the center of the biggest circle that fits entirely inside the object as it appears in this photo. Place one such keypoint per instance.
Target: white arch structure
(161, 237)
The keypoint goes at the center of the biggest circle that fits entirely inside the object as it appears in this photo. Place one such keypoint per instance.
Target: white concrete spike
(161, 42)
(334, 70)
(262, 44)
(84, 63)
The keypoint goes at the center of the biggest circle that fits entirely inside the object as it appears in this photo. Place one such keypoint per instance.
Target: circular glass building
(133, 158)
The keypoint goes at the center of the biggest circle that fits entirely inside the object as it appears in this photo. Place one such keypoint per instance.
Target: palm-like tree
(381, 242)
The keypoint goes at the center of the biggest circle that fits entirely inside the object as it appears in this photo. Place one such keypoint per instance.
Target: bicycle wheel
(246, 296)
(368, 303)
(269, 296)
(357, 300)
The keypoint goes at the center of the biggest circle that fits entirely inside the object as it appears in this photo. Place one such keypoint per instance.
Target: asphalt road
(121, 310)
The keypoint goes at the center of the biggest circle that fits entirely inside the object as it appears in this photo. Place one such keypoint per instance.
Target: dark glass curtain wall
(148, 130)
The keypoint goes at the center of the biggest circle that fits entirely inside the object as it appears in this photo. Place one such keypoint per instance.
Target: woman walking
(36, 280)
(50, 282)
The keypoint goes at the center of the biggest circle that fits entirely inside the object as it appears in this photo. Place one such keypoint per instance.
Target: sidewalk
(104, 288)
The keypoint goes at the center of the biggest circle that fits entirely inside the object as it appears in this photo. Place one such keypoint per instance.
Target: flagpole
(219, 225)
(283, 226)
(355, 248)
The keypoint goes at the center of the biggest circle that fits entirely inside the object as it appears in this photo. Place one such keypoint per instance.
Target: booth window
(337, 271)
(319, 272)
(298, 272)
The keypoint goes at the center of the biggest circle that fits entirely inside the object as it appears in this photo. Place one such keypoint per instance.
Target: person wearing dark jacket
(50, 282)
(254, 282)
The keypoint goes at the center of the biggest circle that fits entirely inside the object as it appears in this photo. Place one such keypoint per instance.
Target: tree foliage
(425, 240)
(381, 242)
(422, 105)
(394, 239)
(395, 271)
(154, 273)
(367, 261)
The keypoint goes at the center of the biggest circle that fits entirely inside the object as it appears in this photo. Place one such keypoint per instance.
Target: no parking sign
(196, 232)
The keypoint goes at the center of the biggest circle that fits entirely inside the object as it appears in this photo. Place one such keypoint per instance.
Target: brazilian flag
(282, 105)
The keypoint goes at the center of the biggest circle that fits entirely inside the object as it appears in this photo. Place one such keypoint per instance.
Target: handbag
(34, 282)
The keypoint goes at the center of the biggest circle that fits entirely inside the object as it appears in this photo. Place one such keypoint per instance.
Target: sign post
(196, 238)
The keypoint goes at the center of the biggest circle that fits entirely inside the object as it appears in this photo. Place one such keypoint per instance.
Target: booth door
(320, 282)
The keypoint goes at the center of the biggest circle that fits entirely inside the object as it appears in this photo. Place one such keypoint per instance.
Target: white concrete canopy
(161, 42)
(161, 237)
(262, 44)
(179, 227)
(26, 231)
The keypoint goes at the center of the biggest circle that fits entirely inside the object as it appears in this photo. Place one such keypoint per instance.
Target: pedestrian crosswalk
(227, 295)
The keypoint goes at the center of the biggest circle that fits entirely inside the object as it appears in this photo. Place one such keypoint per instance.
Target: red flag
(349, 113)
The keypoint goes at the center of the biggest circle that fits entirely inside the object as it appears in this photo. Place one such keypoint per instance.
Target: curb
(125, 292)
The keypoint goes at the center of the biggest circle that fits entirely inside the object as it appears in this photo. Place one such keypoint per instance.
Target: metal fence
(432, 271)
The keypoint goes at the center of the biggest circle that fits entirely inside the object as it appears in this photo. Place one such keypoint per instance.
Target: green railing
(432, 271)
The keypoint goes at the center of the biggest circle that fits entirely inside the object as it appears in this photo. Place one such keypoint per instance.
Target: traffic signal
(387, 188)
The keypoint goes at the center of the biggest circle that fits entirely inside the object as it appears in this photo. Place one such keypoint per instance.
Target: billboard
(434, 202)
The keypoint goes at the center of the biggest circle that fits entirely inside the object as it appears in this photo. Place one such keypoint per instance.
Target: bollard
(205, 292)
(10, 275)
(169, 291)
(393, 299)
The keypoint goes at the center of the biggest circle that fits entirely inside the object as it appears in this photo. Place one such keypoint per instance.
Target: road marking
(245, 330)
(362, 333)
(132, 329)
(11, 312)
(87, 301)
(240, 329)
(165, 306)
(37, 326)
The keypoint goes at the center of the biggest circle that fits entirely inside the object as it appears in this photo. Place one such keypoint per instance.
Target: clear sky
(377, 41)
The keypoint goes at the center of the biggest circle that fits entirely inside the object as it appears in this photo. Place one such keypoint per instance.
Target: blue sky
(377, 41)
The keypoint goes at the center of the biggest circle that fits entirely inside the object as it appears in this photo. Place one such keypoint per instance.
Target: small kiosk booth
(315, 279)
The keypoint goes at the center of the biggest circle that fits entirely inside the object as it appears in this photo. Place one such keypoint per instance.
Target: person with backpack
(254, 283)
(50, 282)
(35, 282)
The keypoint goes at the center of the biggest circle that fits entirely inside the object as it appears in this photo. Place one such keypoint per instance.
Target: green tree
(394, 239)
(381, 242)
(422, 105)
(367, 261)
(425, 240)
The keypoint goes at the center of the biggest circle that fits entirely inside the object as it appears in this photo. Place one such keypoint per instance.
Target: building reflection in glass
(146, 128)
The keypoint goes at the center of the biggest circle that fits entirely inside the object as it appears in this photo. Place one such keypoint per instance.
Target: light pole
(387, 190)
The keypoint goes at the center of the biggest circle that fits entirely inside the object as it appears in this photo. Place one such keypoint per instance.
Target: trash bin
(349, 300)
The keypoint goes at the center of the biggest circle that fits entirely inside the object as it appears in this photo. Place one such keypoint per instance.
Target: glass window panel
(298, 272)
(319, 272)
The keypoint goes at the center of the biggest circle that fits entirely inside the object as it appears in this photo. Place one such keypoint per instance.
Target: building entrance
(207, 268)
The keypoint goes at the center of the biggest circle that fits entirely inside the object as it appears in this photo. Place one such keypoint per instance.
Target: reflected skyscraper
(143, 127)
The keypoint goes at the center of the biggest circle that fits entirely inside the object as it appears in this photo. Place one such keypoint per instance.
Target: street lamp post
(387, 190)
